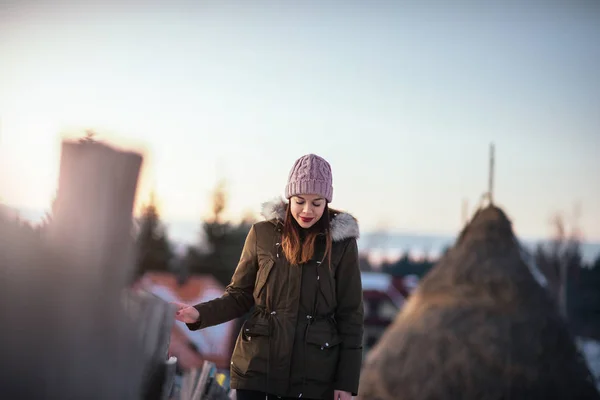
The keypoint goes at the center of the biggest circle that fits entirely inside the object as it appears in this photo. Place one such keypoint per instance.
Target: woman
(299, 269)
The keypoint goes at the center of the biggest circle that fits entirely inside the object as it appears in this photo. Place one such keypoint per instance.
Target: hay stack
(478, 327)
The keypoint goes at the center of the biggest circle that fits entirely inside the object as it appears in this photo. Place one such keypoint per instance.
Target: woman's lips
(306, 219)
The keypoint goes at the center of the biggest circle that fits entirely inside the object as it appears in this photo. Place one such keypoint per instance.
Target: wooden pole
(491, 175)
(92, 233)
(66, 333)
(70, 327)
(94, 204)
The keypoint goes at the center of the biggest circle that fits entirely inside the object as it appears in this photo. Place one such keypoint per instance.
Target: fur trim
(343, 224)
(274, 209)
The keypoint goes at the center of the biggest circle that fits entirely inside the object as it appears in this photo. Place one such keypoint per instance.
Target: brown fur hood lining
(343, 224)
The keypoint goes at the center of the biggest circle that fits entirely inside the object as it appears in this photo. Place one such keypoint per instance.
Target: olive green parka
(304, 335)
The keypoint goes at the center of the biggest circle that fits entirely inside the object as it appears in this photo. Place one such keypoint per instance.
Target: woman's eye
(316, 205)
(300, 202)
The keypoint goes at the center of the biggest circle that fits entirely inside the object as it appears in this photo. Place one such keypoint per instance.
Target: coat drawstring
(269, 354)
(311, 319)
(269, 314)
(270, 319)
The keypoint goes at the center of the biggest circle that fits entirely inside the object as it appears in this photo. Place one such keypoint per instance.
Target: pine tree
(154, 250)
(224, 239)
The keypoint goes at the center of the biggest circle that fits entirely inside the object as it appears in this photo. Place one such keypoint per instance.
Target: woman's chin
(306, 225)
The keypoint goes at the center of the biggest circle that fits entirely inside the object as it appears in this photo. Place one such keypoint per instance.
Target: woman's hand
(340, 395)
(185, 313)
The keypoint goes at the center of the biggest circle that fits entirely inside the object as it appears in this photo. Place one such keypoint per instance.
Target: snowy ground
(591, 350)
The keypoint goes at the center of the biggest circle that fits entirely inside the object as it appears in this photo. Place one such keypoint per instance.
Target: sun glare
(30, 161)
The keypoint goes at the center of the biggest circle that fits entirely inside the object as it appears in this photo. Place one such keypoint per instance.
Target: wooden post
(65, 331)
(91, 233)
(94, 205)
(491, 175)
(465, 212)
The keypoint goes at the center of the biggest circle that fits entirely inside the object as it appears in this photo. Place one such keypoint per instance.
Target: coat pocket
(264, 270)
(322, 354)
(251, 348)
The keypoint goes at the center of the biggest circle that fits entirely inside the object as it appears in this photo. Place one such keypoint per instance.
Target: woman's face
(307, 209)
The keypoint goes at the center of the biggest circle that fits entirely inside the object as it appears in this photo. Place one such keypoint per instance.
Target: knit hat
(310, 174)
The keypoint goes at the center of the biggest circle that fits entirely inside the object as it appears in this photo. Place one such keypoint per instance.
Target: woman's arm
(350, 319)
(238, 298)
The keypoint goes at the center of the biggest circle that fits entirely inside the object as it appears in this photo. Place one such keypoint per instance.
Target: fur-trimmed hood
(343, 224)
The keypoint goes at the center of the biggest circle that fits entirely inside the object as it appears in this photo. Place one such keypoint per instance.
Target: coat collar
(343, 225)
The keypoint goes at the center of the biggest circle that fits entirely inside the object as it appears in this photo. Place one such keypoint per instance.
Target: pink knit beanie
(310, 174)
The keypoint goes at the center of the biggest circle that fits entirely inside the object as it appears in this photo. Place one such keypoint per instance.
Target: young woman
(299, 269)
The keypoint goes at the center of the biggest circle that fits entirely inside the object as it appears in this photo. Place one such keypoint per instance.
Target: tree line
(216, 255)
(574, 283)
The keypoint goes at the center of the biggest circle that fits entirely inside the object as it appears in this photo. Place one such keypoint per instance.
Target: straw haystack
(478, 327)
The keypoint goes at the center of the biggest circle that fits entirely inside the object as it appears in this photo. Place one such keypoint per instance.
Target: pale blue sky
(402, 100)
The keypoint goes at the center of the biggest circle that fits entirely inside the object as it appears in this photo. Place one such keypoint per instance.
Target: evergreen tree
(596, 264)
(154, 250)
(224, 240)
(584, 301)
(407, 266)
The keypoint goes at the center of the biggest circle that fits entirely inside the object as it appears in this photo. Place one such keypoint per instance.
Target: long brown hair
(299, 244)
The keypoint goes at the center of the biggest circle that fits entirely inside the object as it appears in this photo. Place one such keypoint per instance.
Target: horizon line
(388, 232)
